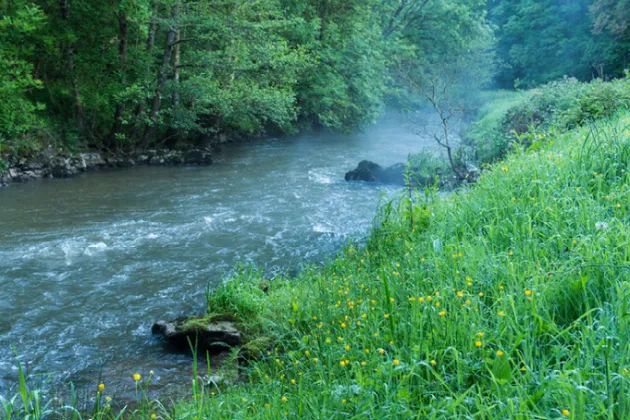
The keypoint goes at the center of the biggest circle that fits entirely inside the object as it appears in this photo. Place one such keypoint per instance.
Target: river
(87, 264)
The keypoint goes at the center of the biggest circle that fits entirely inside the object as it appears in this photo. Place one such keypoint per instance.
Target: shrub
(563, 104)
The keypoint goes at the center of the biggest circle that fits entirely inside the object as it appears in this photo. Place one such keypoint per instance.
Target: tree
(544, 40)
(19, 24)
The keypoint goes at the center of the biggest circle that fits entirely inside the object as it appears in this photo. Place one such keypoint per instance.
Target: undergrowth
(561, 105)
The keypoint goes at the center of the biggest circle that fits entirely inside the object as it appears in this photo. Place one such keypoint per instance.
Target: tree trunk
(162, 77)
(78, 106)
(123, 30)
(152, 28)
(176, 63)
(149, 46)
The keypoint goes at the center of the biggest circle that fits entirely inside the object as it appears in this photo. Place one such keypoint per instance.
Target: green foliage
(139, 73)
(544, 40)
(425, 167)
(19, 25)
(557, 105)
(487, 135)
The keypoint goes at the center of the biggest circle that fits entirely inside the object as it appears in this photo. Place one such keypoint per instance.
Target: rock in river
(212, 336)
(366, 171)
(371, 172)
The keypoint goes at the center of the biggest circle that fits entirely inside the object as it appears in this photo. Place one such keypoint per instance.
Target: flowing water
(87, 264)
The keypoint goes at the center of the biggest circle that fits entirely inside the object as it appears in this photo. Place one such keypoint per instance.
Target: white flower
(601, 225)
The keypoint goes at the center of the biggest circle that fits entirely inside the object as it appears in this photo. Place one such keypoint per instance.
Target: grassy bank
(511, 300)
(508, 300)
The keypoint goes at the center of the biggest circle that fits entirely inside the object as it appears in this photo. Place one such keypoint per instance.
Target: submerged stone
(207, 335)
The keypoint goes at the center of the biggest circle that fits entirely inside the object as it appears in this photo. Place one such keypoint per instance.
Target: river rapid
(87, 264)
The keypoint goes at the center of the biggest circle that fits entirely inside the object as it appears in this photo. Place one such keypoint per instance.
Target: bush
(563, 104)
(486, 136)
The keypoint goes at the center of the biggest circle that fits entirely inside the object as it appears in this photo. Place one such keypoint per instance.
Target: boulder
(142, 159)
(369, 171)
(113, 161)
(14, 174)
(32, 166)
(4, 179)
(157, 160)
(78, 163)
(366, 171)
(174, 157)
(126, 163)
(394, 174)
(62, 167)
(93, 160)
(197, 157)
(211, 336)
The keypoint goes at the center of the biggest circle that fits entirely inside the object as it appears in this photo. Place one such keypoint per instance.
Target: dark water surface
(88, 264)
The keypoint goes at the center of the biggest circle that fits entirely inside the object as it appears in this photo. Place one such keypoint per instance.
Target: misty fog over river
(87, 264)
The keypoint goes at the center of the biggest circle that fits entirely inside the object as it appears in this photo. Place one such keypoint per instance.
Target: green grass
(513, 303)
(487, 135)
(507, 300)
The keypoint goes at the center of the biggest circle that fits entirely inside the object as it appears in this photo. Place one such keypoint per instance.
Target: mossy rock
(205, 333)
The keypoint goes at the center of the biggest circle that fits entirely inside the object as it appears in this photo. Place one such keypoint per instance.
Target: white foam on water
(94, 249)
(318, 177)
(319, 228)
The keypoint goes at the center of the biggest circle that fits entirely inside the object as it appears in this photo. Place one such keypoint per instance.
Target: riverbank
(505, 301)
(51, 163)
(136, 245)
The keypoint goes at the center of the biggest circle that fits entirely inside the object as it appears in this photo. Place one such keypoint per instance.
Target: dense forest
(122, 74)
(132, 74)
